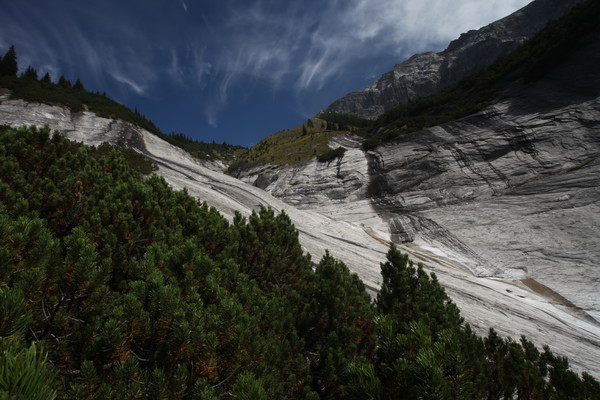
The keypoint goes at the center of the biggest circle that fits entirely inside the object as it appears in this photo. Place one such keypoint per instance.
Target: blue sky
(232, 70)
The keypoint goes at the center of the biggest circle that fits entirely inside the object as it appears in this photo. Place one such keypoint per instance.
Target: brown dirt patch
(556, 298)
(370, 232)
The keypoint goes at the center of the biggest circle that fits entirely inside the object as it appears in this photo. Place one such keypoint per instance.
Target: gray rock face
(510, 196)
(314, 183)
(423, 74)
(515, 194)
(80, 127)
(506, 195)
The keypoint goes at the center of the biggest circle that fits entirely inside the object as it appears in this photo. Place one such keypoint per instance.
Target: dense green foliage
(23, 371)
(331, 154)
(134, 290)
(346, 122)
(134, 160)
(138, 290)
(8, 63)
(530, 62)
(203, 150)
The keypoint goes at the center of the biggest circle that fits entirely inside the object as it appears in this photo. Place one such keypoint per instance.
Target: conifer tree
(78, 85)
(335, 339)
(8, 64)
(23, 372)
(411, 294)
(46, 79)
(30, 74)
(63, 82)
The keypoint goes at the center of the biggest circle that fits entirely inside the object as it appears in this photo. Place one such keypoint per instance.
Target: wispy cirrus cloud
(137, 87)
(95, 45)
(306, 46)
(219, 49)
(357, 28)
(423, 22)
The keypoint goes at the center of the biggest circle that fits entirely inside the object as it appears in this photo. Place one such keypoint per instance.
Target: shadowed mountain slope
(423, 74)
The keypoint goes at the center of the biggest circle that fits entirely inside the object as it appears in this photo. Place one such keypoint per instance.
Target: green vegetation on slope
(530, 62)
(356, 125)
(117, 287)
(202, 150)
(74, 96)
(30, 87)
(301, 143)
(288, 147)
(332, 154)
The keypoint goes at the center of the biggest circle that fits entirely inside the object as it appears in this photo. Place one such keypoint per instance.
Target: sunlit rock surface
(489, 254)
(506, 198)
(315, 183)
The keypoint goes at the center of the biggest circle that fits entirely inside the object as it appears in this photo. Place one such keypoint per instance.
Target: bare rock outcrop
(519, 192)
(505, 196)
(315, 183)
(352, 229)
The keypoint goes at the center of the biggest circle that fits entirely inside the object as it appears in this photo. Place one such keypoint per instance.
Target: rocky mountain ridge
(423, 74)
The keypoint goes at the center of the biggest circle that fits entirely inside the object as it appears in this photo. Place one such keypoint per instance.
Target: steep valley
(493, 235)
(502, 205)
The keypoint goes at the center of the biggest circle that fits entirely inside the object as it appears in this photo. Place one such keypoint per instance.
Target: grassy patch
(302, 143)
(290, 146)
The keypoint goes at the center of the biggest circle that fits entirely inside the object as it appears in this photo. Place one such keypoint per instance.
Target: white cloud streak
(137, 87)
(81, 42)
(283, 45)
(305, 48)
(309, 47)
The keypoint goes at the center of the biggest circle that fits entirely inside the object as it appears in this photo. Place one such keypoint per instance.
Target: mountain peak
(424, 73)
